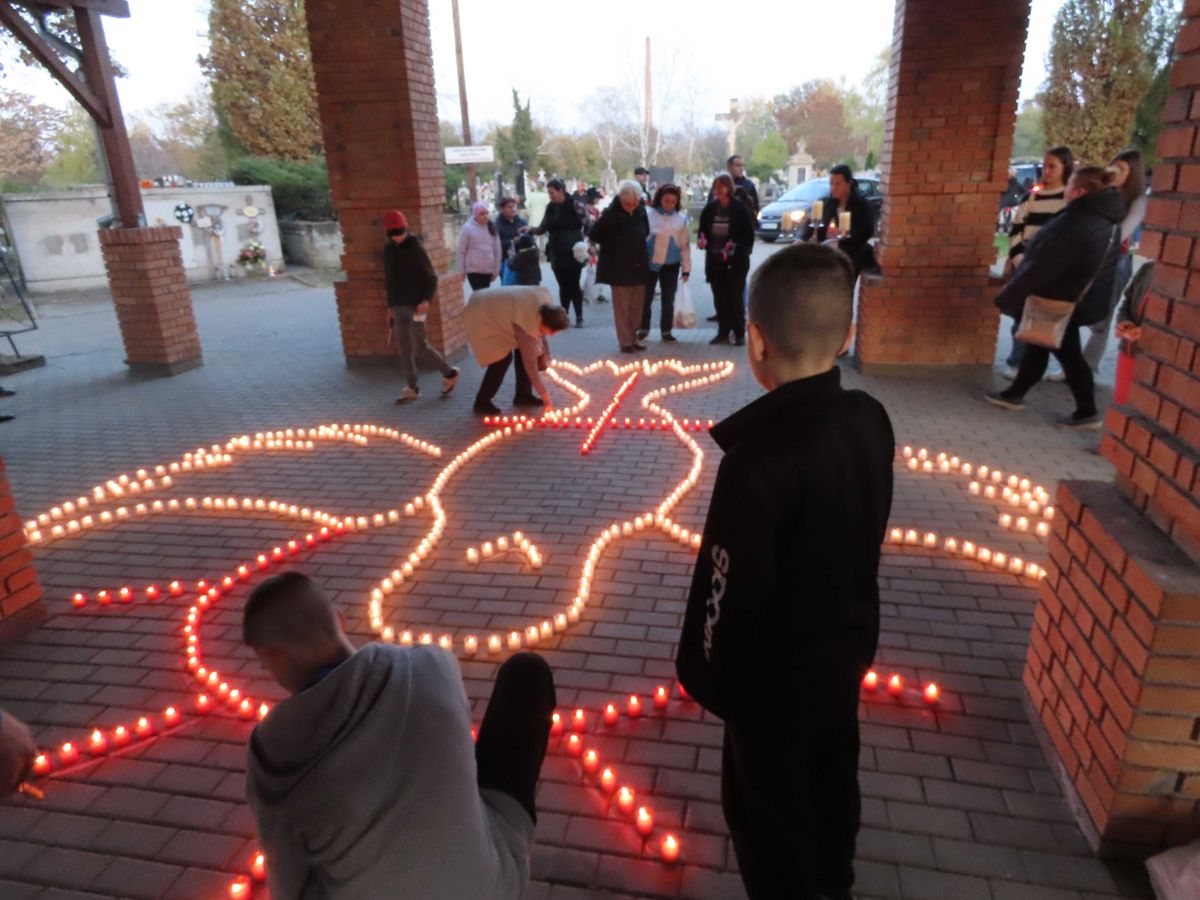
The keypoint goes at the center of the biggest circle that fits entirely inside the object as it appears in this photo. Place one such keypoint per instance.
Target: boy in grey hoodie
(364, 781)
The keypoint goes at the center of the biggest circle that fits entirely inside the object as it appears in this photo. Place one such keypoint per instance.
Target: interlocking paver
(956, 803)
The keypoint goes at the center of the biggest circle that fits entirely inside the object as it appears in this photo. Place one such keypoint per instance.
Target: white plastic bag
(685, 310)
(1175, 874)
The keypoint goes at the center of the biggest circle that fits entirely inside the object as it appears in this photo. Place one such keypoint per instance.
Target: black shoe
(7, 418)
(630, 349)
(719, 339)
(638, 345)
(641, 334)
(997, 398)
(1095, 420)
(4, 392)
(669, 338)
(486, 408)
(712, 319)
(579, 321)
(526, 400)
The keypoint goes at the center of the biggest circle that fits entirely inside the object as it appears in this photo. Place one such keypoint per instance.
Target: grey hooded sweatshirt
(364, 786)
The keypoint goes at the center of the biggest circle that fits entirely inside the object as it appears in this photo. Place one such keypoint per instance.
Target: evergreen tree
(519, 141)
(261, 72)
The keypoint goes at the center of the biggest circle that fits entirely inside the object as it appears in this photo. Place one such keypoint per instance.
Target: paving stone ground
(958, 802)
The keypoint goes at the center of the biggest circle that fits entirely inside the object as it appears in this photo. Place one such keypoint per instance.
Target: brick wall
(21, 606)
(1114, 658)
(952, 103)
(375, 90)
(152, 299)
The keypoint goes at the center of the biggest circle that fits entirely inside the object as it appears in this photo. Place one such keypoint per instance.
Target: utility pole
(462, 98)
(649, 98)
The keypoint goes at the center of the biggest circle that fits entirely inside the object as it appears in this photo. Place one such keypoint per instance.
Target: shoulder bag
(1044, 321)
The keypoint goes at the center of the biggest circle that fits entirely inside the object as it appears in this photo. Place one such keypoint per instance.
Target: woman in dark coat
(621, 231)
(566, 221)
(1075, 252)
(727, 237)
(844, 197)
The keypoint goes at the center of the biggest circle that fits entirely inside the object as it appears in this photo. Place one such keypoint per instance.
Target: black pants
(566, 273)
(493, 377)
(1070, 356)
(668, 276)
(728, 288)
(479, 280)
(515, 728)
(789, 790)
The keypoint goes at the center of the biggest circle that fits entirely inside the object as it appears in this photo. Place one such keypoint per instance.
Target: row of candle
(613, 424)
(242, 886)
(502, 544)
(1020, 523)
(607, 412)
(969, 549)
(98, 743)
(894, 685)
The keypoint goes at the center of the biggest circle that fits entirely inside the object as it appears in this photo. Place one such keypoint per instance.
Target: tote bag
(1044, 321)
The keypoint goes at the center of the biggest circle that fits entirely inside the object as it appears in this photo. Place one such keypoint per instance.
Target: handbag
(685, 309)
(1044, 320)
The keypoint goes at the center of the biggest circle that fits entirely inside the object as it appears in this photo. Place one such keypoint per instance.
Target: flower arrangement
(253, 254)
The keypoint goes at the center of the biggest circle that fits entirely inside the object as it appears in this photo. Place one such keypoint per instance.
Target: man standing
(642, 175)
(737, 170)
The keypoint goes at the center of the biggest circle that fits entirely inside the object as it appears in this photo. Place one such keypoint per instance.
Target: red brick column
(952, 103)
(374, 73)
(1114, 663)
(154, 304)
(21, 606)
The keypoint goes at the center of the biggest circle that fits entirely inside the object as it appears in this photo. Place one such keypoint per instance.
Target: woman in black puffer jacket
(567, 222)
(1073, 249)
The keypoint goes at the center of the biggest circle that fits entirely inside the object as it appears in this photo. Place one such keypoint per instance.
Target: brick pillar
(153, 302)
(952, 103)
(1114, 660)
(374, 74)
(21, 606)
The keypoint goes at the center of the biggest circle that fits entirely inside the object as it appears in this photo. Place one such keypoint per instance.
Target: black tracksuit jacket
(785, 594)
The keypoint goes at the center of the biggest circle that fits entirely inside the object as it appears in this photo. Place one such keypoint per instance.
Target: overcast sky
(557, 58)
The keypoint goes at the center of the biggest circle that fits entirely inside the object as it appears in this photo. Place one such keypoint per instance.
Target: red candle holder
(120, 736)
(608, 780)
(104, 598)
(258, 867)
(171, 715)
(175, 588)
(556, 725)
(143, 727)
(895, 685)
(932, 693)
(644, 821)
(591, 761)
(203, 703)
(41, 764)
(871, 680)
(153, 592)
(626, 800)
(68, 753)
(610, 714)
(634, 706)
(239, 888)
(97, 743)
(669, 848)
(574, 744)
(661, 696)
(579, 720)
(243, 572)
(79, 600)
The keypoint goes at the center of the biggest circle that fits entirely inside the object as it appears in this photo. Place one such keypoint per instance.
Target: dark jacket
(508, 232)
(566, 224)
(748, 186)
(1081, 244)
(1131, 309)
(856, 244)
(624, 261)
(526, 263)
(785, 599)
(717, 264)
(408, 273)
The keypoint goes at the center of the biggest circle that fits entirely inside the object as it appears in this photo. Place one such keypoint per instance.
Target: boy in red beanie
(411, 284)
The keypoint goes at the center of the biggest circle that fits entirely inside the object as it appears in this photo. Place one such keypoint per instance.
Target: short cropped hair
(629, 189)
(288, 609)
(802, 298)
(555, 318)
(506, 201)
(729, 162)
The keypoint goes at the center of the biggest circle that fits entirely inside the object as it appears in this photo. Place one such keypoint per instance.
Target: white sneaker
(409, 394)
(449, 382)
(1009, 373)
(1056, 375)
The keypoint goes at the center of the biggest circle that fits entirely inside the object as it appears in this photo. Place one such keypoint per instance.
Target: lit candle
(79, 600)
(990, 492)
(913, 464)
(951, 545)
(634, 706)
(472, 555)
(579, 720)
(644, 821)
(1042, 529)
(258, 867)
(470, 644)
(896, 535)
(143, 728)
(984, 555)
(1005, 520)
(660, 697)
(239, 888)
(486, 549)
(514, 640)
(1022, 523)
(911, 536)
(41, 764)
(669, 848)
(203, 703)
(574, 744)
(871, 680)
(97, 744)
(494, 643)
(556, 725)
(446, 642)
(152, 592)
(68, 753)
(591, 761)
(931, 539)
(610, 714)
(1031, 570)
(626, 800)
(104, 598)
(968, 549)
(171, 715)
(931, 693)
(895, 685)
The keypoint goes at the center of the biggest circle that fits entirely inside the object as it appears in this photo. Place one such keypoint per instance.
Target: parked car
(789, 214)
(1022, 177)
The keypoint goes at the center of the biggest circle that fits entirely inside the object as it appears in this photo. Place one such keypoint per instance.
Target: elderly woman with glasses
(622, 231)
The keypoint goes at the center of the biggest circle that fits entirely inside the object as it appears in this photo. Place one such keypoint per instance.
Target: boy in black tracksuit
(782, 619)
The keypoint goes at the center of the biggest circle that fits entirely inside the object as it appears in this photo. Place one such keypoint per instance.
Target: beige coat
(499, 320)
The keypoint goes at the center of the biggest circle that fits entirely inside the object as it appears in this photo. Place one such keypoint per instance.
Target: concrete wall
(55, 234)
(314, 244)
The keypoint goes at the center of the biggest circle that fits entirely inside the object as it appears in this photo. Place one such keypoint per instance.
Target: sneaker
(1009, 373)
(526, 400)
(1056, 375)
(630, 349)
(409, 394)
(6, 418)
(638, 345)
(641, 334)
(487, 408)
(5, 392)
(449, 382)
(669, 338)
(1095, 420)
(719, 339)
(996, 398)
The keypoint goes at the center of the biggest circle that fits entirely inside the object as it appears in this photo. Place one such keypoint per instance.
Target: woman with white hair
(622, 231)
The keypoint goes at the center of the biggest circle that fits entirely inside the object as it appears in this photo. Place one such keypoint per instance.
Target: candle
(514, 640)
(968, 549)
(556, 725)
(79, 600)
(258, 866)
(68, 753)
(264, 710)
(608, 780)
(634, 706)
(984, 555)
(951, 545)
(239, 888)
(579, 720)
(1031, 570)
(203, 703)
(911, 536)
(470, 644)
(446, 642)
(487, 549)
(989, 492)
(591, 761)
(644, 821)
(574, 744)
(171, 715)
(143, 727)
(41, 764)
(1005, 520)
(472, 555)
(494, 643)
(913, 464)
(1022, 523)
(610, 714)
(818, 211)
(931, 693)
(152, 592)
(1048, 512)
(669, 848)
(931, 539)
(97, 744)
(104, 598)
(626, 799)
(1042, 529)
(895, 685)
(660, 697)
(907, 451)
(871, 680)
(896, 535)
